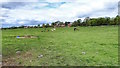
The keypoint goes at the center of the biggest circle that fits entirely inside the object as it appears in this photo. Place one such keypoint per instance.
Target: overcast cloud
(33, 12)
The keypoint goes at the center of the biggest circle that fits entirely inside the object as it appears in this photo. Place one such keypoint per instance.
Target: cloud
(12, 5)
(119, 8)
(4, 1)
(46, 11)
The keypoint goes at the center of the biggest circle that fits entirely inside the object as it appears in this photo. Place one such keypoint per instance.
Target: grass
(90, 46)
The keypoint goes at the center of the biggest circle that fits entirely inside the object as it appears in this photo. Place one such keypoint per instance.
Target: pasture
(90, 46)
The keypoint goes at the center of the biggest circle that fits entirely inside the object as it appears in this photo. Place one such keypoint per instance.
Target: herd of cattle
(54, 29)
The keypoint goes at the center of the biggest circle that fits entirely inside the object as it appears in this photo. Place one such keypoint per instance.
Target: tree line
(97, 21)
(86, 22)
(89, 22)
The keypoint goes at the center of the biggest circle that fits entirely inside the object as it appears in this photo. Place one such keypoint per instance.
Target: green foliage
(117, 20)
(43, 25)
(79, 21)
(61, 23)
(75, 23)
(53, 24)
(38, 25)
(47, 25)
(97, 21)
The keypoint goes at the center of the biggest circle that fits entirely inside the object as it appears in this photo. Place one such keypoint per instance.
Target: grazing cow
(53, 29)
(75, 28)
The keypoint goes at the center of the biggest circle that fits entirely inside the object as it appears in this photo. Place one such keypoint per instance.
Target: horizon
(12, 25)
(36, 12)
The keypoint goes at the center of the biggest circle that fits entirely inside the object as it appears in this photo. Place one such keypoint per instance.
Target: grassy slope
(64, 46)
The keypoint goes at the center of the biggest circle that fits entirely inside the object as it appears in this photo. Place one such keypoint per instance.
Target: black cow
(75, 28)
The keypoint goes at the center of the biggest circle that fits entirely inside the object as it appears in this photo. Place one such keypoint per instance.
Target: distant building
(69, 25)
(25, 26)
(63, 25)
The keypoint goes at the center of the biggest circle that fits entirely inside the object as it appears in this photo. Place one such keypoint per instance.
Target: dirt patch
(9, 62)
(27, 36)
(14, 61)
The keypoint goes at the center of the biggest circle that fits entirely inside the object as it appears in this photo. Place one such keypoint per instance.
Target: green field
(90, 46)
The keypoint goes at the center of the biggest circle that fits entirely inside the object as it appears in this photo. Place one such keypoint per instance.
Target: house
(69, 25)
(25, 26)
(63, 25)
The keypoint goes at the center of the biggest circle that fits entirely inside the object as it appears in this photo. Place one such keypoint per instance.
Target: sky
(33, 12)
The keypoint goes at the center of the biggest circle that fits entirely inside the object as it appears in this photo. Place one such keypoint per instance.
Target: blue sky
(33, 12)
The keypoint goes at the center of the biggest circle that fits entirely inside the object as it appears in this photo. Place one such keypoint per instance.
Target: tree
(43, 25)
(47, 25)
(92, 22)
(86, 20)
(38, 25)
(66, 23)
(117, 20)
(52, 24)
(112, 21)
(22, 26)
(61, 23)
(75, 23)
(107, 20)
(79, 21)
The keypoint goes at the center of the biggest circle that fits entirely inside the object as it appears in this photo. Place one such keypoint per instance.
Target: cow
(75, 28)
